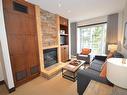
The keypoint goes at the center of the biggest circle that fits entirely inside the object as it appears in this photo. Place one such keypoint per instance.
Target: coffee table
(69, 71)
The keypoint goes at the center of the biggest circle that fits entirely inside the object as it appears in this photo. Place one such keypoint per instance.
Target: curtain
(112, 30)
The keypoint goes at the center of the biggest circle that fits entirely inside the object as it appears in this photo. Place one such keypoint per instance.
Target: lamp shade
(117, 71)
(112, 47)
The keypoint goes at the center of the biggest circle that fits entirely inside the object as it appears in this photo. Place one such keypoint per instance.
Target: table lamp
(117, 72)
(112, 47)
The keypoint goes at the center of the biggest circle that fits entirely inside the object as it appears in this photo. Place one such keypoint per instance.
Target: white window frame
(87, 26)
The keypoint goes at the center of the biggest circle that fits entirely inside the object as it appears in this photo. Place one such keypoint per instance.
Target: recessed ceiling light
(59, 5)
(69, 11)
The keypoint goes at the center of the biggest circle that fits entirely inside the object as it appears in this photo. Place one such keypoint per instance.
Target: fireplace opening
(50, 57)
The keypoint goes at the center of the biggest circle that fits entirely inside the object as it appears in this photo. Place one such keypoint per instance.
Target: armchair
(84, 55)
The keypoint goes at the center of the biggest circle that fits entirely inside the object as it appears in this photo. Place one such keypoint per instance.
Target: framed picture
(125, 36)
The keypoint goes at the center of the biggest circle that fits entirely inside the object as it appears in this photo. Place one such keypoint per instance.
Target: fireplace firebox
(50, 57)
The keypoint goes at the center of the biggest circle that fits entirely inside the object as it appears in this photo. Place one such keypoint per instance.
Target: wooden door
(21, 31)
(64, 53)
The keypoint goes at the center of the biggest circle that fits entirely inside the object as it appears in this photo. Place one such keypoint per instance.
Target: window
(93, 37)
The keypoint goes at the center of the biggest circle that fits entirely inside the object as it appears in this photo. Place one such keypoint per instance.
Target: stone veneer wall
(49, 28)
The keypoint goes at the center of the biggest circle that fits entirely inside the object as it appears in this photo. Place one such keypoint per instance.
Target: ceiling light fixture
(59, 3)
(69, 11)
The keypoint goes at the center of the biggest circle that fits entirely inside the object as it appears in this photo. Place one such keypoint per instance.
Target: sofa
(93, 73)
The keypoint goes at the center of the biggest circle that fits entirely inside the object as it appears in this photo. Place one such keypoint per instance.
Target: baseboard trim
(2, 82)
(11, 90)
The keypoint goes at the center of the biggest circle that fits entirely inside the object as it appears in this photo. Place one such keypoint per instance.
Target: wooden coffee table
(70, 71)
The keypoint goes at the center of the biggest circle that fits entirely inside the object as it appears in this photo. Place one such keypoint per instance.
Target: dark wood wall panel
(22, 40)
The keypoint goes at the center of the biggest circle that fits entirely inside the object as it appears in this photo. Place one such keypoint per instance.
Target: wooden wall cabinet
(64, 53)
(63, 21)
(20, 22)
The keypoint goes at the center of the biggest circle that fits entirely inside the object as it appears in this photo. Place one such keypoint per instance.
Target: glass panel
(93, 37)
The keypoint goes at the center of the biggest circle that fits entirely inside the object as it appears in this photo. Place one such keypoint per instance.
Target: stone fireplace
(48, 43)
(50, 57)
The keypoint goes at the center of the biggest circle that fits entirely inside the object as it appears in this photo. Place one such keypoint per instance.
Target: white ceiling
(77, 10)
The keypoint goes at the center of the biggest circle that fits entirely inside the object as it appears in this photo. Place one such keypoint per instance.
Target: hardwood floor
(61, 86)
(3, 90)
(42, 86)
(97, 88)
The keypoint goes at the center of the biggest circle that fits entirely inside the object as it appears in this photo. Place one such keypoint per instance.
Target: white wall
(2, 65)
(122, 20)
(1, 70)
(6, 65)
(92, 21)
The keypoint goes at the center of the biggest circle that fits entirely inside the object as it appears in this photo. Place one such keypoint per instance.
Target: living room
(55, 49)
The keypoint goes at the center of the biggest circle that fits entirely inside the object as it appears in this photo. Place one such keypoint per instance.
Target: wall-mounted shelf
(63, 34)
(49, 47)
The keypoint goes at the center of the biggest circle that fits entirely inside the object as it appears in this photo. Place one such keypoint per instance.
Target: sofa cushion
(99, 62)
(94, 75)
(96, 65)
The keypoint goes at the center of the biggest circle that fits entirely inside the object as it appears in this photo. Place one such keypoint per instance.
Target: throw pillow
(110, 55)
(85, 51)
(104, 71)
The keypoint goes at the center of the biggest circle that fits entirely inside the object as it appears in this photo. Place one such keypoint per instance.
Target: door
(64, 53)
(21, 31)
